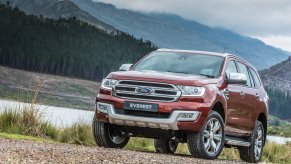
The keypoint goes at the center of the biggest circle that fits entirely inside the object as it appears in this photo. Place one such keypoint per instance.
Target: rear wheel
(253, 153)
(107, 135)
(209, 141)
(165, 146)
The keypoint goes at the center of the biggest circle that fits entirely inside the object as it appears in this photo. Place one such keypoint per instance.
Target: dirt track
(23, 151)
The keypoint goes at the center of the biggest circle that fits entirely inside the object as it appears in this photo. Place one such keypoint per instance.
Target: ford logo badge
(145, 91)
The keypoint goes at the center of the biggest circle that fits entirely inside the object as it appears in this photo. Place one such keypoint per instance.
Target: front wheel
(209, 141)
(254, 152)
(107, 135)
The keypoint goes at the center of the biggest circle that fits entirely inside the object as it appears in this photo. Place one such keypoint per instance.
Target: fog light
(188, 116)
(103, 108)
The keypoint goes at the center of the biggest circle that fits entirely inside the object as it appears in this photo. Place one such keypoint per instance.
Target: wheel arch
(219, 108)
(263, 119)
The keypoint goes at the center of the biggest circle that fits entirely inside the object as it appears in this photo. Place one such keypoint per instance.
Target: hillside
(50, 89)
(172, 31)
(65, 46)
(278, 76)
(57, 9)
(277, 80)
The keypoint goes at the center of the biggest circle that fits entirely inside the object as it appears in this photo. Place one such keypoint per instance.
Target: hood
(163, 77)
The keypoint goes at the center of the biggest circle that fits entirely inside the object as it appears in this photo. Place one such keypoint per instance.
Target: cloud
(250, 17)
(267, 20)
(283, 42)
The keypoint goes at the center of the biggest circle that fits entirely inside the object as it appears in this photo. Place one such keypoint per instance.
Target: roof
(206, 53)
(194, 52)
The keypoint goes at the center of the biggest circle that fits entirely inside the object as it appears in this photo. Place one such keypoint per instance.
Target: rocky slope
(278, 76)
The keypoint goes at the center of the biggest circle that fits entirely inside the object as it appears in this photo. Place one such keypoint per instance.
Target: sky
(267, 20)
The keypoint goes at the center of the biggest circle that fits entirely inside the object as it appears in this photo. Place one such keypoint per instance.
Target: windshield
(198, 64)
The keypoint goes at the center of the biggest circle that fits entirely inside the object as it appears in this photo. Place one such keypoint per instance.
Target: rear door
(257, 94)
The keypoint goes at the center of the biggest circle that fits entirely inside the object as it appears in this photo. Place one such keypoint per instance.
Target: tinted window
(244, 70)
(257, 82)
(251, 78)
(185, 63)
(231, 68)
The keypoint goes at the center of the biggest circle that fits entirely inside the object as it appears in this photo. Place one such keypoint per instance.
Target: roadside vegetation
(27, 123)
(279, 127)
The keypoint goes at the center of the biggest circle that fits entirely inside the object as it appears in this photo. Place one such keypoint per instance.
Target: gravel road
(24, 151)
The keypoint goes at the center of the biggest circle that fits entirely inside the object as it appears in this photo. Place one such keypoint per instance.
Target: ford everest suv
(207, 100)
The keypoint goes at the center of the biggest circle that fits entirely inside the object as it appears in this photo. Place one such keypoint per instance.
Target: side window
(231, 68)
(244, 70)
(256, 78)
(251, 78)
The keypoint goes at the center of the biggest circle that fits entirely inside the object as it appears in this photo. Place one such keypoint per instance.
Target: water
(278, 139)
(58, 116)
(65, 117)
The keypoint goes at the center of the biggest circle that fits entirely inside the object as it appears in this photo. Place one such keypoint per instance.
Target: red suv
(208, 100)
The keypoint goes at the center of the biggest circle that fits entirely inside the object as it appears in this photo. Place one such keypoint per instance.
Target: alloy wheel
(258, 143)
(212, 136)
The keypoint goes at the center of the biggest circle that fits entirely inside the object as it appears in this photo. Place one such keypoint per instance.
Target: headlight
(192, 91)
(108, 83)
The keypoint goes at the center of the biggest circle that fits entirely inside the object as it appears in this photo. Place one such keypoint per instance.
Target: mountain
(57, 9)
(277, 82)
(64, 46)
(164, 30)
(278, 76)
(172, 31)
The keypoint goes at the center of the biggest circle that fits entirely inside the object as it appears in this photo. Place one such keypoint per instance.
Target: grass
(279, 127)
(27, 121)
(25, 137)
(273, 152)
(277, 153)
(26, 124)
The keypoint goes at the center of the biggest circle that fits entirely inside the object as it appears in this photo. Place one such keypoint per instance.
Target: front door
(239, 102)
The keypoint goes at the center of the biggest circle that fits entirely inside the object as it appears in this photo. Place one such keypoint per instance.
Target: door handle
(242, 94)
(226, 93)
(257, 96)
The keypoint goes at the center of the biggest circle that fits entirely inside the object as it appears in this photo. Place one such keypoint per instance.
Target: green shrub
(9, 121)
(277, 153)
(144, 144)
(79, 133)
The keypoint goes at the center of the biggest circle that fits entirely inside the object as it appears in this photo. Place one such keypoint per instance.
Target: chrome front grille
(160, 91)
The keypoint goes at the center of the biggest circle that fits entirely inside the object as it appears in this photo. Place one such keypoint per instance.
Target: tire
(106, 135)
(209, 141)
(165, 146)
(254, 152)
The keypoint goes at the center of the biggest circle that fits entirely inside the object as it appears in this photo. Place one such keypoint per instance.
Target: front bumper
(175, 117)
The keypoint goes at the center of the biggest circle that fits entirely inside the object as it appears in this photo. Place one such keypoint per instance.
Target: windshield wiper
(178, 72)
(209, 76)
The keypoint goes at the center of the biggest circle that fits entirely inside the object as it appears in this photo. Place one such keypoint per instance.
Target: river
(65, 117)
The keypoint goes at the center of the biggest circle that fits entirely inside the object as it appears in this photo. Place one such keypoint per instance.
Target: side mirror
(237, 78)
(125, 67)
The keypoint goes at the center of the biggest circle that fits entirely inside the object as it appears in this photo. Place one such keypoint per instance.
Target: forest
(65, 46)
(279, 103)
